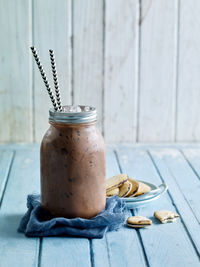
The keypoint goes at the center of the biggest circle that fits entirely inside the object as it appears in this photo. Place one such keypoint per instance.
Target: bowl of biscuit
(133, 192)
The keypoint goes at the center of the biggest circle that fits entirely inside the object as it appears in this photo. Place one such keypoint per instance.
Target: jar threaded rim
(87, 114)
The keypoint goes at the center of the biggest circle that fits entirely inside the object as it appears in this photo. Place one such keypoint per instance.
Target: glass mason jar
(72, 165)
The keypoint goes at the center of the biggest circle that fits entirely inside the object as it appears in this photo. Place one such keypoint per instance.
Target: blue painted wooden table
(175, 244)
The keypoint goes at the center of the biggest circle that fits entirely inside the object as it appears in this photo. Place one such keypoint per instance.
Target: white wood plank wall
(137, 61)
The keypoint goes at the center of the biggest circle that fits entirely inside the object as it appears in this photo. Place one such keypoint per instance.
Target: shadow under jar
(72, 165)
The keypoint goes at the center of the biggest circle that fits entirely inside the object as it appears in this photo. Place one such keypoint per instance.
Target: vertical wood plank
(131, 250)
(187, 181)
(157, 71)
(121, 49)
(65, 251)
(88, 54)
(100, 247)
(182, 201)
(15, 92)
(165, 241)
(188, 108)
(52, 29)
(5, 165)
(15, 248)
(192, 155)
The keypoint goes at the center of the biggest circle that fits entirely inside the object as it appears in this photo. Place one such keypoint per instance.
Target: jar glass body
(72, 160)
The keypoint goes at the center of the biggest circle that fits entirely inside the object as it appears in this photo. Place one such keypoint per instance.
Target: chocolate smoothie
(73, 165)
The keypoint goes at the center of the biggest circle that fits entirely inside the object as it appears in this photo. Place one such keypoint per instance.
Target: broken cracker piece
(165, 216)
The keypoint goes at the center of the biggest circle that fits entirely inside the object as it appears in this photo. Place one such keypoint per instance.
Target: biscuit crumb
(165, 216)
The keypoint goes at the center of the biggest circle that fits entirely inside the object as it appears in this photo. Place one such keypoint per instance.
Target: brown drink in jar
(72, 159)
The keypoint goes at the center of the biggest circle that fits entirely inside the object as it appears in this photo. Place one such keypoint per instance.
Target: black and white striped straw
(55, 79)
(53, 100)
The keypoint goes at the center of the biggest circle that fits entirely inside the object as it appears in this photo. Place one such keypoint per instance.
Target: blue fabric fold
(38, 222)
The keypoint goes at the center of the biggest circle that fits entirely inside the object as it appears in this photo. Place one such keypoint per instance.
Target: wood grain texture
(131, 250)
(88, 54)
(5, 165)
(143, 80)
(176, 244)
(165, 241)
(15, 248)
(157, 71)
(109, 248)
(192, 155)
(51, 30)
(65, 251)
(177, 192)
(99, 251)
(183, 174)
(15, 92)
(188, 108)
(120, 81)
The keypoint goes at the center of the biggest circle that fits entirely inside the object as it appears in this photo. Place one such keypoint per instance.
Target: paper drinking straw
(53, 100)
(55, 78)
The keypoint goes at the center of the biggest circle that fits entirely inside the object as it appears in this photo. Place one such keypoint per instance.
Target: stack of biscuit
(124, 186)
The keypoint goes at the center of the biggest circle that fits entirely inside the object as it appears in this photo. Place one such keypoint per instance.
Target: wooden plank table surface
(174, 244)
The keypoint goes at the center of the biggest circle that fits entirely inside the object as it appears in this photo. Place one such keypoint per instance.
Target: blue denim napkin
(38, 222)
